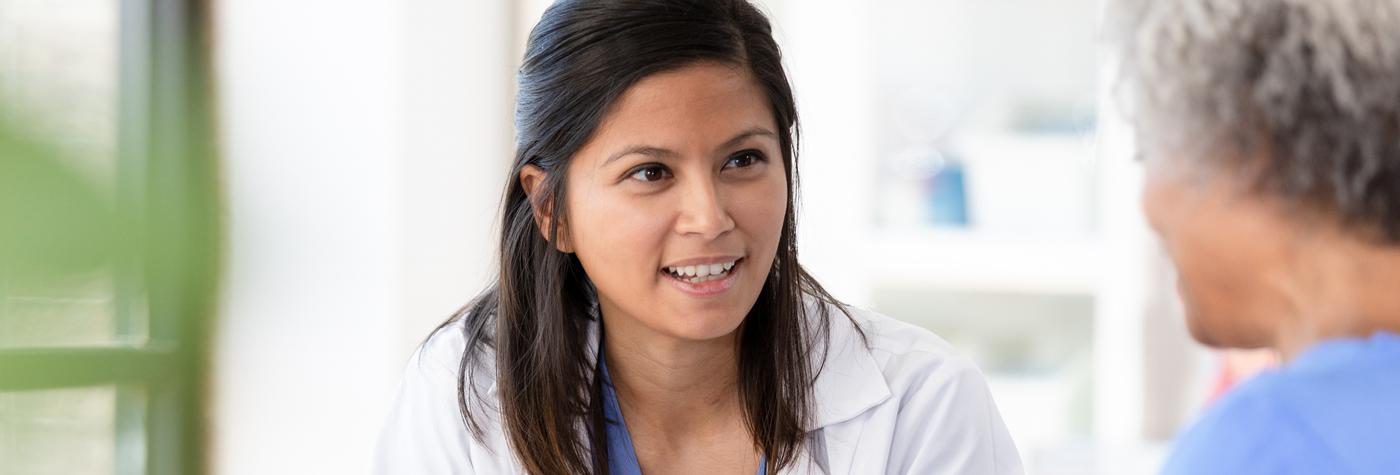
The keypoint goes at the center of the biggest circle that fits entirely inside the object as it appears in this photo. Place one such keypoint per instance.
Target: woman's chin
(1217, 331)
(702, 326)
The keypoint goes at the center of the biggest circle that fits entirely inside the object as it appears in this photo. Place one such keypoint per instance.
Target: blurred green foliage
(53, 220)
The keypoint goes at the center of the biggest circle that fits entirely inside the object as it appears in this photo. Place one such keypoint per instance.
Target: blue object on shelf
(947, 195)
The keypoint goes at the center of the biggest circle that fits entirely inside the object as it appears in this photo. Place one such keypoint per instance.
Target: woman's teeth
(701, 273)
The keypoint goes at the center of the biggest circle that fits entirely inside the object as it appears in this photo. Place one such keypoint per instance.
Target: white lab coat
(907, 404)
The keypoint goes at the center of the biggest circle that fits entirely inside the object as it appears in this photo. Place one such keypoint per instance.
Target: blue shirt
(1334, 409)
(622, 456)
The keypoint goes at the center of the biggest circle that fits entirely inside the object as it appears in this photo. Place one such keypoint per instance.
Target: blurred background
(226, 225)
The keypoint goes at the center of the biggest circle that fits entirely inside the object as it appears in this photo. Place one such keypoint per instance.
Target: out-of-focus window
(59, 69)
(98, 369)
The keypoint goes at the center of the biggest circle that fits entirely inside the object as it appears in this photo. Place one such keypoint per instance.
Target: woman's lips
(707, 288)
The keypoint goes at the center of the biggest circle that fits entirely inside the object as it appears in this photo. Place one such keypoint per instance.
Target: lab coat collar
(849, 381)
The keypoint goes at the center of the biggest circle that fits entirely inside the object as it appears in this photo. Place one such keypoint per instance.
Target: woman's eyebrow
(647, 150)
(753, 132)
(660, 152)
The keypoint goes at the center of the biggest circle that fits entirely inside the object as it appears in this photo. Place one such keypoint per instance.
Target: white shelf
(969, 260)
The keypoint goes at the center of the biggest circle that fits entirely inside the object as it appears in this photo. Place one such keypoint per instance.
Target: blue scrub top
(622, 457)
(1334, 409)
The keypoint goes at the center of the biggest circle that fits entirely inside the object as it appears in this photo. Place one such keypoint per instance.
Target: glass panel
(58, 63)
(82, 310)
(58, 431)
(59, 70)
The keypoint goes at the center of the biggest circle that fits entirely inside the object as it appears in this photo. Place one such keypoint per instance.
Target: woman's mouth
(703, 279)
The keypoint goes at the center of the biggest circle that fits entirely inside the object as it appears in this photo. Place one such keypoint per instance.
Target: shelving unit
(973, 261)
(1055, 287)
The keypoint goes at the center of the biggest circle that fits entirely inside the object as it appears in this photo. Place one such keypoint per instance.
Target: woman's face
(675, 206)
(1231, 250)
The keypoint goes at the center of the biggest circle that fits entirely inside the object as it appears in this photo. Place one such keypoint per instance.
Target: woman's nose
(703, 212)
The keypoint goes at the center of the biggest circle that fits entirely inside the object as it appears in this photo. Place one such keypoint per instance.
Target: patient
(1271, 134)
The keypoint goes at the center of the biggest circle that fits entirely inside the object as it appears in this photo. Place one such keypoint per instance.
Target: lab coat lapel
(849, 384)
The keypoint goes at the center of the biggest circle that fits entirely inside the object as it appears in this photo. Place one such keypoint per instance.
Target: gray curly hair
(1310, 86)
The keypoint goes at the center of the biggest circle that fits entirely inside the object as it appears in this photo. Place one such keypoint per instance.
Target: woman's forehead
(685, 110)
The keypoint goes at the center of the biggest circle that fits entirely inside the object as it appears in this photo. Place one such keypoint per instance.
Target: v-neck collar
(622, 453)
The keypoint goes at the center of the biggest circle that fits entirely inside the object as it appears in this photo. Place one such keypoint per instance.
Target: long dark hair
(581, 57)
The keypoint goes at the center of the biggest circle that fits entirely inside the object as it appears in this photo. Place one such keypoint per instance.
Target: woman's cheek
(608, 232)
(760, 215)
(633, 232)
(775, 211)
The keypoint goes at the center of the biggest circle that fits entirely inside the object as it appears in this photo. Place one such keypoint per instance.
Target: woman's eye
(650, 173)
(744, 159)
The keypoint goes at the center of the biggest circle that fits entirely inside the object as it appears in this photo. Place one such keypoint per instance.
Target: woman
(1272, 135)
(650, 314)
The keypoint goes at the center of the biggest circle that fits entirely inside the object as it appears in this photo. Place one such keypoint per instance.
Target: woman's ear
(531, 178)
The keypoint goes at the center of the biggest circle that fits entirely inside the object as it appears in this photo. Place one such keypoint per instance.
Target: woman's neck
(1348, 290)
(673, 386)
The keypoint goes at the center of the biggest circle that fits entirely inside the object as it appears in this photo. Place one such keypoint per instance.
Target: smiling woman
(650, 313)
(649, 223)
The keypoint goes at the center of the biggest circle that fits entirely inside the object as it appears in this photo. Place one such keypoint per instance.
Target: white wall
(363, 147)
(829, 69)
(459, 76)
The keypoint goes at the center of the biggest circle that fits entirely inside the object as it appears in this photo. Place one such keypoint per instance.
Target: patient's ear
(531, 180)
